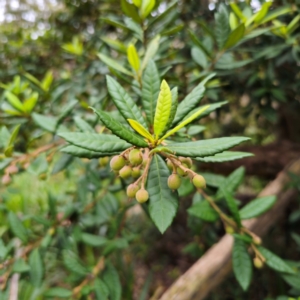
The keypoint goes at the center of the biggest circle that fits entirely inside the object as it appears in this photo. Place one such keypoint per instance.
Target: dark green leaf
(96, 142)
(120, 130)
(123, 102)
(111, 279)
(224, 156)
(213, 180)
(83, 125)
(275, 262)
(93, 240)
(243, 237)
(198, 43)
(222, 26)
(242, 264)
(173, 30)
(85, 153)
(163, 203)
(231, 204)
(203, 211)
(101, 290)
(73, 263)
(62, 163)
(36, 268)
(236, 35)
(199, 57)
(17, 227)
(58, 292)
(205, 147)
(191, 100)
(150, 90)
(257, 207)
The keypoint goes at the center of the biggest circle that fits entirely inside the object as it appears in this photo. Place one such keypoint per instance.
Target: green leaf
(14, 101)
(174, 93)
(257, 207)
(199, 57)
(130, 10)
(133, 57)
(58, 292)
(85, 153)
(101, 290)
(36, 268)
(203, 211)
(93, 240)
(172, 30)
(119, 129)
(83, 125)
(47, 81)
(30, 102)
(274, 14)
(73, 263)
(163, 109)
(242, 264)
(185, 122)
(198, 43)
(141, 130)
(20, 266)
(111, 279)
(191, 100)
(150, 90)
(233, 21)
(222, 26)
(124, 102)
(96, 142)
(237, 11)
(231, 205)
(163, 203)
(146, 8)
(262, 12)
(61, 164)
(232, 181)
(213, 180)
(150, 52)
(224, 156)
(275, 262)
(236, 35)
(45, 122)
(115, 44)
(205, 147)
(113, 64)
(10, 146)
(17, 227)
(135, 28)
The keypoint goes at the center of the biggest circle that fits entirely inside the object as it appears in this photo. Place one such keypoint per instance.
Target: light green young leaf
(163, 203)
(150, 90)
(96, 142)
(119, 129)
(113, 64)
(185, 122)
(47, 81)
(115, 44)
(293, 25)
(130, 10)
(257, 207)
(146, 8)
(30, 102)
(14, 101)
(224, 156)
(262, 12)
(137, 3)
(141, 129)
(203, 211)
(36, 268)
(274, 14)
(237, 11)
(163, 108)
(151, 51)
(275, 262)
(124, 102)
(236, 35)
(191, 100)
(205, 147)
(233, 21)
(133, 57)
(242, 264)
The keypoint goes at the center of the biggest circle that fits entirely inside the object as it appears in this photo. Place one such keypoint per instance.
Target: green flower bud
(131, 190)
(103, 161)
(229, 229)
(136, 172)
(170, 165)
(117, 162)
(142, 196)
(125, 172)
(258, 263)
(199, 181)
(181, 172)
(187, 161)
(174, 181)
(135, 157)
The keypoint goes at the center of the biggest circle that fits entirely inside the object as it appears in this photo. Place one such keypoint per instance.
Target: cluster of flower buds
(133, 164)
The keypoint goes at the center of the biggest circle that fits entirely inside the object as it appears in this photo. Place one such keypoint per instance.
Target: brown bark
(213, 267)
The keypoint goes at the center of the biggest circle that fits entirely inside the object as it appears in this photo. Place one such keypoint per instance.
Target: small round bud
(170, 165)
(131, 190)
(13, 169)
(174, 181)
(187, 161)
(229, 229)
(125, 172)
(142, 196)
(199, 181)
(117, 162)
(256, 240)
(180, 171)
(135, 157)
(6, 180)
(103, 161)
(258, 263)
(136, 172)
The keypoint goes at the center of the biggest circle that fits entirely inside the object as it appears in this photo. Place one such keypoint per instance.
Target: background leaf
(203, 211)
(224, 156)
(36, 268)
